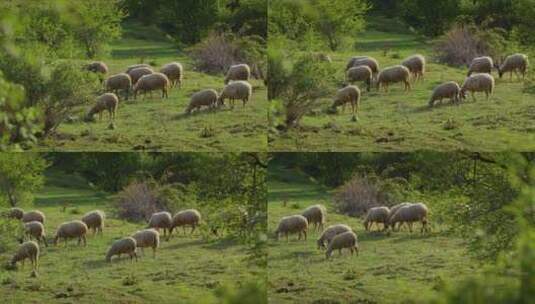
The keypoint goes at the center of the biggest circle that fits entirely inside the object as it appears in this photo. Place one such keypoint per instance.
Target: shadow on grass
(221, 244)
(182, 244)
(416, 235)
(101, 263)
(294, 254)
(199, 113)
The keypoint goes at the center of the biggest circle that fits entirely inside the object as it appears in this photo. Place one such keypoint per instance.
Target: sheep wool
(317, 215)
(34, 215)
(152, 82)
(174, 72)
(376, 215)
(147, 238)
(449, 90)
(237, 90)
(514, 63)
(394, 74)
(94, 220)
(360, 73)
(410, 214)
(343, 240)
(416, 65)
(189, 217)
(478, 83)
(292, 224)
(161, 220)
(35, 229)
(105, 102)
(73, 229)
(330, 232)
(27, 250)
(480, 65)
(238, 72)
(15, 213)
(206, 98)
(123, 246)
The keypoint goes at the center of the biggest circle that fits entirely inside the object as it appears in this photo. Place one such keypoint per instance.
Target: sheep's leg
(287, 240)
(410, 227)
(85, 240)
(192, 228)
(474, 96)
(305, 233)
(340, 252)
(23, 263)
(184, 229)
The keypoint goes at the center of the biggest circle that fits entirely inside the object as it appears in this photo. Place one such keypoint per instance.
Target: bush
(430, 18)
(10, 230)
(277, 74)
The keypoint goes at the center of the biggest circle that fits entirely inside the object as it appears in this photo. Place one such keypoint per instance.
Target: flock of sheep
(141, 78)
(77, 229)
(366, 69)
(340, 236)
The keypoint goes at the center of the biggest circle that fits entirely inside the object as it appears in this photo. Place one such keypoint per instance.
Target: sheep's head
(220, 100)
(320, 243)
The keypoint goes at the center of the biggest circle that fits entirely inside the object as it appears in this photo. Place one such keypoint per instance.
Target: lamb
(346, 239)
(409, 214)
(136, 66)
(416, 65)
(147, 238)
(36, 230)
(376, 215)
(175, 72)
(34, 215)
(105, 102)
(514, 63)
(315, 214)
(206, 98)
(240, 90)
(238, 72)
(478, 83)
(292, 224)
(27, 250)
(189, 217)
(15, 213)
(118, 82)
(480, 65)
(137, 73)
(72, 229)
(126, 245)
(161, 220)
(349, 94)
(151, 82)
(94, 221)
(397, 73)
(449, 90)
(97, 67)
(360, 73)
(328, 234)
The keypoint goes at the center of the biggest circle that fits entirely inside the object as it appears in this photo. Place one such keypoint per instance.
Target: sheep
(376, 215)
(36, 230)
(34, 215)
(346, 239)
(27, 250)
(203, 98)
(118, 82)
(330, 232)
(349, 94)
(409, 214)
(292, 224)
(395, 208)
(175, 72)
(15, 213)
(161, 220)
(477, 83)
(240, 90)
(136, 66)
(97, 67)
(397, 73)
(449, 90)
(367, 61)
(360, 73)
(147, 238)
(72, 229)
(480, 65)
(126, 245)
(105, 102)
(151, 82)
(514, 63)
(238, 72)
(94, 221)
(315, 214)
(137, 73)
(416, 65)
(189, 217)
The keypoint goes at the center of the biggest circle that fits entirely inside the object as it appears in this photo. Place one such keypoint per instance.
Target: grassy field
(391, 268)
(160, 124)
(401, 121)
(186, 269)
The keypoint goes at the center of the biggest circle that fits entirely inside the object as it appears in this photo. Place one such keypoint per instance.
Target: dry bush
(137, 201)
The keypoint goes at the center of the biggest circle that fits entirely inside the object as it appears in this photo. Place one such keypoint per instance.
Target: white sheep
(410, 214)
(206, 98)
(478, 83)
(27, 250)
(480, 65)
(514, 63)
(72, 229)
(161, 220)
(34, 215)
(376, 215)
(152, 82)
(449, 90)
(35, 229)
(136, 66)
(94, 221)
(360, 73)
(371, 62)
(238, 72)
(330, 232)
(416, 65)
(316, 214)
(292, 224)
(393, 74)
(137, 73)
(97, 67)
(174, 72)
(350, 94)
(123, 246)
(118, 82)
(15, 213)
(147, 238)
(105, 102)
(343, 240)
(237, 90)
(189, 217)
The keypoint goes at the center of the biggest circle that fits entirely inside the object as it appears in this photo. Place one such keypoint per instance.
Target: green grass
(401, 121)
(390, 268)
(186, 269)
(160, 124)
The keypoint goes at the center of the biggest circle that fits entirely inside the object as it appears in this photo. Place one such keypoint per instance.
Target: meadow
(387, 269)
(186, 268)
(402, 121)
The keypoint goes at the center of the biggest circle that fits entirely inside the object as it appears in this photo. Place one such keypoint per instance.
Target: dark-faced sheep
(27, 250)
(105, 102)
(152, 82)
(161, 220)
(205, 98)
(123, 246)
(97, 67)
(449, 90)
(118, 82)
(189, 217)
(478, 83)
(237, 90)
(416, 65)
(292, 224)
(34, 215)
(94, 221)
(375, 216)
(35, 229)
(360, 73)
(73, 229)
(174, 72)
(394, 74)
(480, 65)
(137, 73)
(343, 240)
(15, 213)
(330, 232)
(514, 63)
(350, 94)
(317, 215)
(147, 238)
(238, 72)
(410, 214)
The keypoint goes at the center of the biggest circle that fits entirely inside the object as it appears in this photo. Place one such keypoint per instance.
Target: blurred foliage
(430, 18)
(249, 293)
(21, 174)
(10, 230)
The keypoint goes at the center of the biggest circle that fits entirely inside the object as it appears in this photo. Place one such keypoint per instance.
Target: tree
(431, 18)
(21, 174)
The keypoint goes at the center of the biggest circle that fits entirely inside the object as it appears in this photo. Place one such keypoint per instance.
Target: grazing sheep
(328, 234)
(478, 83)
(416, 65)
(514, 63)
(122, 246)
(376, 215)
(118, 82)
(152, 82)
(292, 224)
(34, 215)
(15, 213)
(36, 230)
(136, 66)
(316, 214)
(349, 94)
(97, 67)
(137, 73)
(72, 229)
(346, 239)
(105, 102)
(397, 73)
(175, 72)
(189, 217)
(240, 90)
(94, 221)
(480, 65)
(367, 61)
(409, 214)
(161, 220)
(206, 98)
(395, 208)
(449, 90)
(27, 250)
(147, 238)
(360, 73)
(238, 72)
